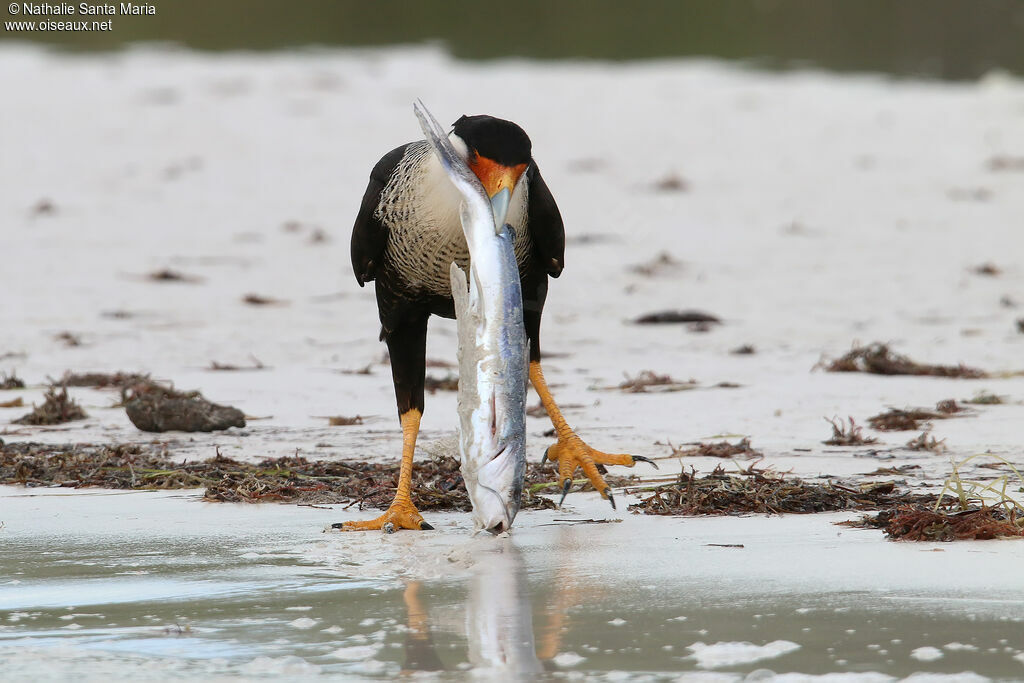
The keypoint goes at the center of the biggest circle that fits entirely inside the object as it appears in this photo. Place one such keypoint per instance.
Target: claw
(425, 527)
(544, 458)
(565, 491)
(388, 528)
(640, 458)
(338, 525)
(610, 497)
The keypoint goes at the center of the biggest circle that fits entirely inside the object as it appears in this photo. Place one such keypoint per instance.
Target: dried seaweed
(57, 408)
(538, 409)
(365, 370)
(437, 482)
(69, 339)
(101, 380)
(1005, 162)
(950, 407)
(260, 300)
(757, 491)
(720, 449)
(168, 275)
(672, 182)
(44, 207)
(744, 350)
(448, 383)
(878, 359)
(342, 421)
(10, 381)
(923, 523)
(664, 262)
(669, 317)
(889, 471)
(925, 442)
(847, 434)
(985, 398)
(257, 364)
(906, 419)
(649, 380)
(902, 420)
(13, 403)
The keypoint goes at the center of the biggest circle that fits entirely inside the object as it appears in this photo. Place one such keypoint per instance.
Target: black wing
(545, 224)
(369, 235)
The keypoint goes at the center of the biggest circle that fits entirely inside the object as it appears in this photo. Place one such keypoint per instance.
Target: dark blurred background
(947, 39)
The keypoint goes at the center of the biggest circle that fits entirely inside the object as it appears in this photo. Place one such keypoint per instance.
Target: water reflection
(498, 619)
(499, 616)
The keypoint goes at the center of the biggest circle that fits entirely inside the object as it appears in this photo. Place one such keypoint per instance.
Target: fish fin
(460, 289)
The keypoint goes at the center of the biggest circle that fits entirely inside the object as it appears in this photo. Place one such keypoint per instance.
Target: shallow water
(259, 590)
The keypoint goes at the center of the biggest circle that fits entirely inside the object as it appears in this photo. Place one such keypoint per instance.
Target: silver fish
(499, 617)
(492, 346)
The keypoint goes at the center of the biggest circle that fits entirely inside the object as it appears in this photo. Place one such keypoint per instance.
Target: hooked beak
(499, 182)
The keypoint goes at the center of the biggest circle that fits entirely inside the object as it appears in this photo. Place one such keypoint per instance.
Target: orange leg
(402, 514)
(570, 451)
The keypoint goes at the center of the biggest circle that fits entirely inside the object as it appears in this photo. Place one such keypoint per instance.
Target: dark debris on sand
(437, 482)
(664, 262)
(161, 413)
(168, 275)
(879, 359)
(11, 381)
(648, 381)
(720, 449)
(850, 434)
(101, 380)
(433, 384)
(669, 317)
(343, 421)
(260, 300)
(907, 419)
(156, 407)
(758, 491)
(917, 522)
(925, 442)
(57, 408)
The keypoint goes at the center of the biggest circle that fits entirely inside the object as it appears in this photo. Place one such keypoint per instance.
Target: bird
(406, 234)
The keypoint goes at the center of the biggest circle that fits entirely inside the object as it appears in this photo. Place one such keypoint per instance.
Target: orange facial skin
(494, 176)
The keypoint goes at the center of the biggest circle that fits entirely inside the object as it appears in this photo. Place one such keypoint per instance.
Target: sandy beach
(808, 211)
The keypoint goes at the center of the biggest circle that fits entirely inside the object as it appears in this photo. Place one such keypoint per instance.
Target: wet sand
(808, 212)
(152, 584)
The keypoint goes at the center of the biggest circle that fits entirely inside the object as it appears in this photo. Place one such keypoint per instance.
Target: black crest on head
(496, 139)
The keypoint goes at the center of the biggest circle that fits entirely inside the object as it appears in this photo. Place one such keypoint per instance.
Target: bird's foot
(572, 452)
(401, 515)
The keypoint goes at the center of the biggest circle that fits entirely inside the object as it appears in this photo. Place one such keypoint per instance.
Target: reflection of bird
(406, 235)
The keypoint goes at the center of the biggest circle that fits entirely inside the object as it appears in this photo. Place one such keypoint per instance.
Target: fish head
(496, 488)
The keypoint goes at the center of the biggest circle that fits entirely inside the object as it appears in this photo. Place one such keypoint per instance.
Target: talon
(640, 458)
(425, 527)
(565, 491)
(388, 528)
(338, 525)
(544, 458)
(601, 468)
(610, 497)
